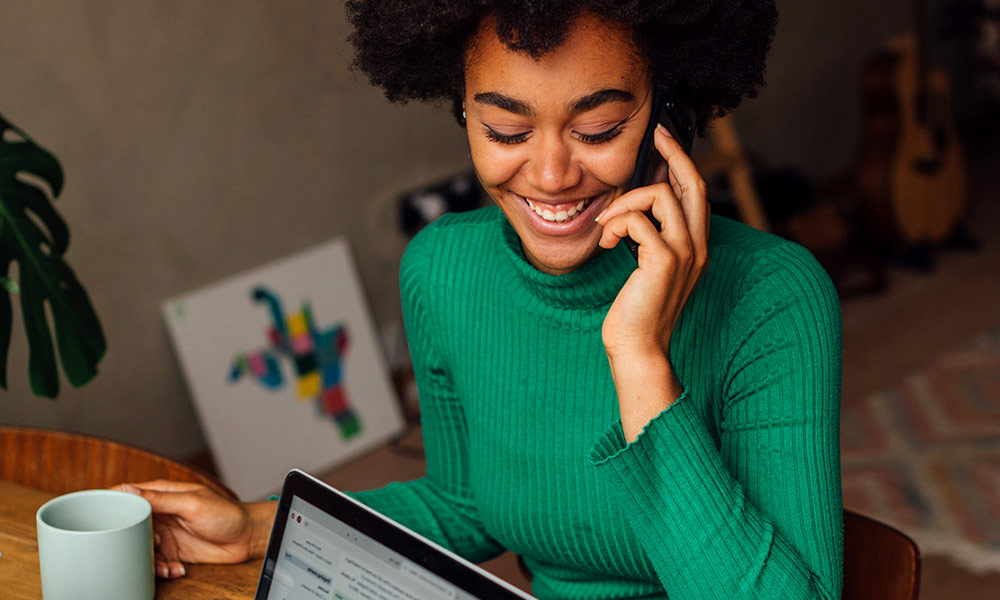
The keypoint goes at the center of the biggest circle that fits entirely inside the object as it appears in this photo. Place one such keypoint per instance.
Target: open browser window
(322, 557)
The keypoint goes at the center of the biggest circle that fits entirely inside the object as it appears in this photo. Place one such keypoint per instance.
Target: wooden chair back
(879, 561)
(60, 462)
(726, 155)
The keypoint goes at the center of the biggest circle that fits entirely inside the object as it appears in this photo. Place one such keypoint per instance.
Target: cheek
(492, 164)
(613, 167)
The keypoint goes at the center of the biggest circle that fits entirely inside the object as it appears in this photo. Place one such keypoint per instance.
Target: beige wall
(202, 138)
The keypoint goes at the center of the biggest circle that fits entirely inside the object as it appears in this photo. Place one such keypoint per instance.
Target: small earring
(463, 115)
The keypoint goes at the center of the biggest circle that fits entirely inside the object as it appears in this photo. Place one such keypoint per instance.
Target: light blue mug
(96, 545)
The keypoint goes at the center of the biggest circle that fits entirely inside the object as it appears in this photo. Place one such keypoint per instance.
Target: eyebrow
(505, 102)
(583, 104)
(601, 97)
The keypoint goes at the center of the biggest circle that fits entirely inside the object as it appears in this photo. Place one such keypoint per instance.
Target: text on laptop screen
(323, 558)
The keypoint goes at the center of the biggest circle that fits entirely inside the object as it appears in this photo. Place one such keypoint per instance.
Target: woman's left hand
(640, 323)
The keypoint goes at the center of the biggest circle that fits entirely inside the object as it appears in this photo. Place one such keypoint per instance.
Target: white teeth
(561, 216)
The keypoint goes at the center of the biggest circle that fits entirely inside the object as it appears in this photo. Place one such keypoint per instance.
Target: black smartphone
(678, 118)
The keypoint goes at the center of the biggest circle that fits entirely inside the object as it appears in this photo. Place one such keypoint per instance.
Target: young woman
(664, 425)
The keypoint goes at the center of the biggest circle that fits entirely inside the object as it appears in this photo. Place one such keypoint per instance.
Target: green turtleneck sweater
(731, 492)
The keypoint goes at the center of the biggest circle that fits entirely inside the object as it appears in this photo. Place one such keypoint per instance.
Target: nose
(552, 167)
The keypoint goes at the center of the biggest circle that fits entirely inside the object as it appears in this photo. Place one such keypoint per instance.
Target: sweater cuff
(612, 443)
(678, 495)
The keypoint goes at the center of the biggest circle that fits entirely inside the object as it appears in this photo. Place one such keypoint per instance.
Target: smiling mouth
(565, 212)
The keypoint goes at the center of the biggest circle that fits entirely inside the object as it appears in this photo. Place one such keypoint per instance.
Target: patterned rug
(925, 457)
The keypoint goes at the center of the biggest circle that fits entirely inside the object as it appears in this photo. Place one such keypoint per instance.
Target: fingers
(634, 225)
(633, 222)
(167, 558)
(181, 500)
(680, 207)
(166, 569)
(638, 200)
(673, 231)
(165, 485)
(682, 170)
(688, 187)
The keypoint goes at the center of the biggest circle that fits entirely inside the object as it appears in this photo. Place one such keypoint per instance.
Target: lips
(550, 216)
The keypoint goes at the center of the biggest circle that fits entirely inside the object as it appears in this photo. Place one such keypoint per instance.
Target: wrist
(261, 520)
(646, 386)
(625, 350)
(638, 363)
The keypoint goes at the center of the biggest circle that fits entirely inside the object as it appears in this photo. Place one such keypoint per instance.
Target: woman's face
(554, 140)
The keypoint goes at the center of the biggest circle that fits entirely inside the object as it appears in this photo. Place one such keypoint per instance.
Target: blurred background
(200, 139)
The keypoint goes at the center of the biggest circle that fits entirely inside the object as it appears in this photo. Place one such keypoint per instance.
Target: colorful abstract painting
(315, 355)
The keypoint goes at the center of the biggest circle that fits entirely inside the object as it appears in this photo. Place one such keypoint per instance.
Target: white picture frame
(284, 368)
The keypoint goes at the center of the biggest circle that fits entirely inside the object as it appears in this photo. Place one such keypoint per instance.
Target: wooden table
(20, 577)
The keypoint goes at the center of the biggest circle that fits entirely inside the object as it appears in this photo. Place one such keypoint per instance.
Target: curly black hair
(711, 51)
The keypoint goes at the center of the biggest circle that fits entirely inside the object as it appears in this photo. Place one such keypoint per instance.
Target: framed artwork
(284, 368)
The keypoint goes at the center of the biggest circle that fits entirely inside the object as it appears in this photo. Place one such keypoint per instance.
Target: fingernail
(164, 572)
(156, 539)
(179, 571)
(662, 129)
(131, 489)
(598, 218)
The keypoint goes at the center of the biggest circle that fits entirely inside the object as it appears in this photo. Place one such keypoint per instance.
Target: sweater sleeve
(439, 505)
(758, 513)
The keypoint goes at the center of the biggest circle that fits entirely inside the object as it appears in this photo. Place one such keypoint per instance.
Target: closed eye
(587, 138)
(503, 138)
(604, 136)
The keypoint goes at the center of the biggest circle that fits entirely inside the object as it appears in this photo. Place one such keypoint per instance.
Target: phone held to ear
(678, 118)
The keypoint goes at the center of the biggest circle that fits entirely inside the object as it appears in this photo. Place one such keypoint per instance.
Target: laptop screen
(323, 557)
(326, 546)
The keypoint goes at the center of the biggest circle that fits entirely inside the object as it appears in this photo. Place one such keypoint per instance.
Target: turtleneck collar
(594, 285)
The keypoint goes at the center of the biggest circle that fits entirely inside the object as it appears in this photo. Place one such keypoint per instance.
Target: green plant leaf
(34, 235)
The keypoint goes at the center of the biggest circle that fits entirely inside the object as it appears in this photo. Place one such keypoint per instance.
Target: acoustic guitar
(912, 178)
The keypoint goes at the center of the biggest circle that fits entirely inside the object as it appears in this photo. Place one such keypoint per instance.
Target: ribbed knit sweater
(731, 492)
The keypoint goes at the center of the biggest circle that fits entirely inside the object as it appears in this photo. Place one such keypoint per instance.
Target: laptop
(327, 546)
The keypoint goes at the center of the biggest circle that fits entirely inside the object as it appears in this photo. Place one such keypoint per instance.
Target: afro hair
(711, 51)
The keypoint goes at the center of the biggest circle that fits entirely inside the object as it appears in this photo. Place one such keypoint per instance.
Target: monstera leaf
(35, 236)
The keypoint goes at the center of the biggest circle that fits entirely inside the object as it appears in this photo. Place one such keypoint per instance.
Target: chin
(560, 260)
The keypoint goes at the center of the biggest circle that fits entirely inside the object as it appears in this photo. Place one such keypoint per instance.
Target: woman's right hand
(193, 524)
